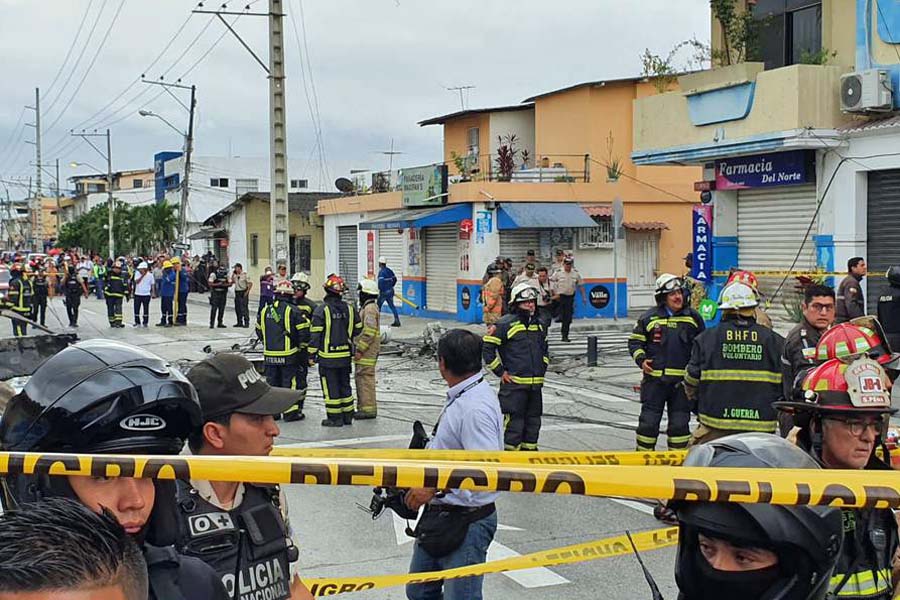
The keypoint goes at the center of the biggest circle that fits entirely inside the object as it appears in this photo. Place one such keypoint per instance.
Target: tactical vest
(220, 291)
(73, 287)
(41, 287)
(247, 546)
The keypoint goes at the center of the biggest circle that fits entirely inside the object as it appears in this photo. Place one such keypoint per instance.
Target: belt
(472, 513)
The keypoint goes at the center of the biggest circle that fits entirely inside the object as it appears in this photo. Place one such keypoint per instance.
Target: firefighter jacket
(889, 315)
(849, 301)
(305, 305)
(666, 339)
(334, 325)
(19, 295)
(368, 343)
(737, 368)
(799, 354)
(40, 287)
(284, 331)
(519, 347)
(248, 546)
(115, 286)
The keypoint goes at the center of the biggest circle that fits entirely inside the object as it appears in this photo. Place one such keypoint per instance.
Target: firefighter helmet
(667, 283)
(737, 295)
(882, 351)
(893, 275)
(746, 277)
(300, 281)
(523, 292)
(368, 286)
(334, 284)
(845, 342)
(176, 261)
(284, 287)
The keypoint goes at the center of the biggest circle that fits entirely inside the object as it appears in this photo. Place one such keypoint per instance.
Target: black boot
(361, 415)
(330, 422)
(348, 418)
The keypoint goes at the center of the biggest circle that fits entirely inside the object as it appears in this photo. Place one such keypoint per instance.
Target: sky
(369, 70)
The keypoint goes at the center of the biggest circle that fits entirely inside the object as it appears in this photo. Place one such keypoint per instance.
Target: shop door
(391, 246)
(883, 235)
(641, 260)
(441, 258)
(348, 258)
(772, 223)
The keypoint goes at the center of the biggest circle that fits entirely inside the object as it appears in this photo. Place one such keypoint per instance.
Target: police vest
(247, 546)
(889, 315)
(863, 569)
(737, 367)
(73, 287)
(220, 290)
(40, 287)
(519, 348)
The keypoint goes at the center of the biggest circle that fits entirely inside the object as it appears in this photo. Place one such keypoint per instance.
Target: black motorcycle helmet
(100, 397)
(893, 276)
(806, 539)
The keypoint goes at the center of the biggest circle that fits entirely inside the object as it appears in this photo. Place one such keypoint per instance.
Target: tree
(140, 229)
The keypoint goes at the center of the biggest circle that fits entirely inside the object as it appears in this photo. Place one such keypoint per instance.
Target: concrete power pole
(279, 233)
(36, 223)
(111, 203)
(57, 200)
(188, 149)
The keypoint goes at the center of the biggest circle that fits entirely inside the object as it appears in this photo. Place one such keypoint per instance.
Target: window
(244, 186)
(298, 184)
(790, 31)
(254, 249)
(96, 188)
(218, 182)
(600, 236)
(137, 183)
(472, 141)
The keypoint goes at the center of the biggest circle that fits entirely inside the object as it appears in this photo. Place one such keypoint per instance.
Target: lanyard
(454, 399)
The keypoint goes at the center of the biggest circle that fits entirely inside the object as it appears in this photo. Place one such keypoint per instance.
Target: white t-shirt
(144, 286)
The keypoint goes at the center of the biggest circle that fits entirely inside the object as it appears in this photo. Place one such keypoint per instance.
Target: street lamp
(188, 144)
(150, 113)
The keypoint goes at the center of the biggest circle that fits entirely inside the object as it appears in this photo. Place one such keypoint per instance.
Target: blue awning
(416, 218)
(542, 215)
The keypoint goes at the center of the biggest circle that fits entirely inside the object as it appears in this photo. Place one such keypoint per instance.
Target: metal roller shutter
(441, 257)
(515, 243)
(348, 258)
(391, 247)
(883, 245)
(772, 222)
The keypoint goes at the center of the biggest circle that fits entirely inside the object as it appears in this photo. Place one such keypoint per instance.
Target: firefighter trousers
(364, 375)
(338, 393)
(658, 394)
(20, 328)
(114, 310)
(290, 376)
(522, 407)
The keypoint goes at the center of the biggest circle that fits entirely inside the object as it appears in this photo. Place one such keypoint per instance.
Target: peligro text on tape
(671, 458)
(869, 489)
(761, 274)
(594, 550)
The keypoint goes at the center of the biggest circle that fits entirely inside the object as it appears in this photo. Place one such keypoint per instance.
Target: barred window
(600, 236)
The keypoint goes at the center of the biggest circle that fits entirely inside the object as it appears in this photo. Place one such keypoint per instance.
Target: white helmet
(143, 265)
(667, 282)
(523, 292)
(368, 286)
(738, 295)
(300, 281)
(381, 260)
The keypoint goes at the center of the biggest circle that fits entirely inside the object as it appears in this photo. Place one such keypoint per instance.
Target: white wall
(519, 122)
(236, 226)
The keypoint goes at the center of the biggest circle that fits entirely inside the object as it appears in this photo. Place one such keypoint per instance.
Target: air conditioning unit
(867, 92)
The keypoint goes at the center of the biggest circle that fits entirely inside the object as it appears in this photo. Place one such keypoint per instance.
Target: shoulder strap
(162, 569)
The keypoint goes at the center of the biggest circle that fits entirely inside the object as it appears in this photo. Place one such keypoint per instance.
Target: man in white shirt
(143, 289)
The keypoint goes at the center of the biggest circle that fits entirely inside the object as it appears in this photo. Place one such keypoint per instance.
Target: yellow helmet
(167, 264)
(175, 261)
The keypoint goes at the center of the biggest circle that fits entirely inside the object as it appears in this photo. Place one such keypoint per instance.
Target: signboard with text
(765, 170)
(424, 186)
(702, 237)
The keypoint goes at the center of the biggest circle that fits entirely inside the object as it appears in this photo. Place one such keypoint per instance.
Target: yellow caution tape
(869, 489)
(597, 549)
(671, 458)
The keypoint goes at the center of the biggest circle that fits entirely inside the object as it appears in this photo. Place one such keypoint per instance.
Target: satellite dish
(345, 185)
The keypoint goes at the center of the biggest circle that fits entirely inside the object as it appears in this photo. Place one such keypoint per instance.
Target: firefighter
(334, 325)
(41, 291)
(843, 420)
(115, 290)
(750, 279)
(862, 336)
(300, 281)
(660, 345)
(19, 299)
(889, 307)
(367, 345)
(219, 282)
(515, 349)
(284, 331)
(735, 370)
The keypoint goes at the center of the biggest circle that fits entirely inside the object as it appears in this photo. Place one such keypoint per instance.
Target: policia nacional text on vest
(248, 546)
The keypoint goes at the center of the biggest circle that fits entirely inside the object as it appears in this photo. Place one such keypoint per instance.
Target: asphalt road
(336, 538)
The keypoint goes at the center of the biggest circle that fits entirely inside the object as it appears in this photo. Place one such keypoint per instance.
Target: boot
(331, 422)
(348, 418)
(294, 413)
(395, 324)
(362, 415)
(222, 326)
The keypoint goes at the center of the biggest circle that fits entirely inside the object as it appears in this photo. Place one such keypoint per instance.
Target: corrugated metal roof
(873, 124)
(645, 225)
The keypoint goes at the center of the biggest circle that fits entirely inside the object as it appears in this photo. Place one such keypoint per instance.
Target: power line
(71, 47)
(649, 185)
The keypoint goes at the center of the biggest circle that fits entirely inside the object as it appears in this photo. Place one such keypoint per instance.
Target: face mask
(734, 585)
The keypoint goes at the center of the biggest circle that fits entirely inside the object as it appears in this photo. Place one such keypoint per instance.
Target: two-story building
(799, 144)
(132, 187)
(543, 175)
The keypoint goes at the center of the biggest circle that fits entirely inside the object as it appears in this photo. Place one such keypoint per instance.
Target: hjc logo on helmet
(142, 422)
(248, 378)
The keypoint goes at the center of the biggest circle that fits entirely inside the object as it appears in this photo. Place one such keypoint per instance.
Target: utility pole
(57, 199)
(36, 225)
(185, 187)
(110, 202)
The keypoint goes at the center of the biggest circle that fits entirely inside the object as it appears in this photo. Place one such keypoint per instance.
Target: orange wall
(456, 137)
(559, 127)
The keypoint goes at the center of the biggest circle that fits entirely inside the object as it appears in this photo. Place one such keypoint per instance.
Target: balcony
(740, 109)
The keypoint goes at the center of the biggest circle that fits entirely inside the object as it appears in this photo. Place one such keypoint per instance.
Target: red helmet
(334, 284)
(746, 277)
(846, 341)
(881, 351)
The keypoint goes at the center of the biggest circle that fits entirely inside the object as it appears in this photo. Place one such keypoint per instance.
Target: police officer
(368, 343)
(850, 300)
(515, 349)
(755, 551)
(660, 345)
(73, 289)
(735, 370)
(219, 282)
(161, 411)
(889, 307)
(843, 419)
(41, 291)
(239, 529)
(284, 331)
(564, 285)
(115, 290)
(334, 325)
(19, 299)
(300, 281)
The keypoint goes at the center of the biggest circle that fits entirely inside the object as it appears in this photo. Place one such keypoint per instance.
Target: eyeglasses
(858, 427)
(817, 307)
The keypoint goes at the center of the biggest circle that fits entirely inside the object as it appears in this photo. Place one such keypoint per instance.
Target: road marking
(638, 506)
(583, 392)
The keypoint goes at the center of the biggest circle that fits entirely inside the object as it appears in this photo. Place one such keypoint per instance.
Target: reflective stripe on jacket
(334, 325)
(518, 348)
(368, 343)
(284, 331)
(665, 339)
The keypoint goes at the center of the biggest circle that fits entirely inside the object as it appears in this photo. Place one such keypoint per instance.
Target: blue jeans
(389, 298)
(472, 551)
